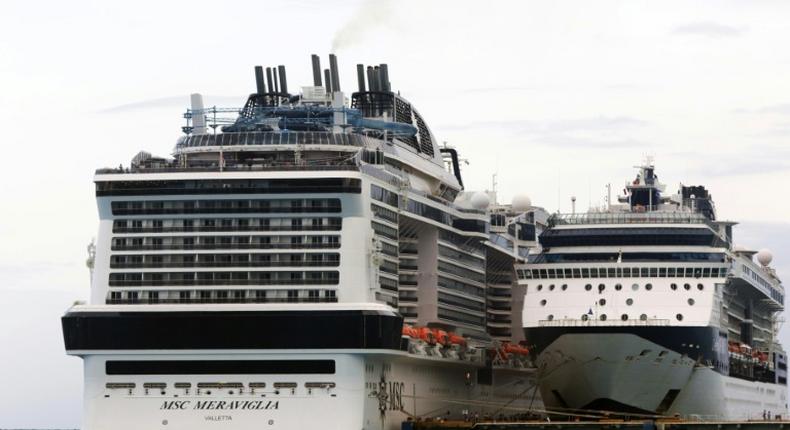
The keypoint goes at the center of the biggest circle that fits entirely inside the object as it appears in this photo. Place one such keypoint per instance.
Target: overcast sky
(558, 98)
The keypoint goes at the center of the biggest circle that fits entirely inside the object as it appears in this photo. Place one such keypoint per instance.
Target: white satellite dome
(521, 203)
(764, 257)
(480, 201)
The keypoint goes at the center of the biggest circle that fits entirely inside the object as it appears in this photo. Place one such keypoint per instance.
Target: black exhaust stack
(260, 86)
(384, 78)
(283, 80)
(371, 84)
(333, 70)
(276, 84)
(269, 78)
(328, 79)
(316, 70)
(361, 77)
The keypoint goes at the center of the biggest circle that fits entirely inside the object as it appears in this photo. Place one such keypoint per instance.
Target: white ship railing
(567, 322)
(628, 218)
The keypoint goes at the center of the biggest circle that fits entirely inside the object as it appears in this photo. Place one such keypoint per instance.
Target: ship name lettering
(175, 404)
(249, 405)
(396, 395)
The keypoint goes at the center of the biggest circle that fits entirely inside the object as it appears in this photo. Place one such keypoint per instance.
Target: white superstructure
(261, 276)
(646, 307)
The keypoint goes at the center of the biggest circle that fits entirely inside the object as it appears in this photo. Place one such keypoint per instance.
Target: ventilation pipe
(333, 70)
(316, 70)
(371, 85)
(283, 80)
(361, 77)
(259, 84)
(384, 78)
(269, 78)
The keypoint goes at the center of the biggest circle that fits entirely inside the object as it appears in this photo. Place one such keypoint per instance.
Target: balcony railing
(592, 322)
(155, 301)
(629, 218)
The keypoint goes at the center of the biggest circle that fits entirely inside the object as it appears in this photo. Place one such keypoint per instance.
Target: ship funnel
(198, 117)
(260, 86)
(328, 79)
(361, 77)
(269, 78)
(316, 70)
(384, 78)
(376, 78)
(276, 83)
(334, 73)
(283, 80)
(371, 84)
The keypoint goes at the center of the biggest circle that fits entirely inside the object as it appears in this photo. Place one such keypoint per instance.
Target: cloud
(758, 160)
(782, 109)
(709, 29)
(173, 101)
(596, 132)
(563, 125)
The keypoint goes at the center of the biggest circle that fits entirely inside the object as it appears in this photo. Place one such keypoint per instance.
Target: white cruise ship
(646, 307)
(307, 261)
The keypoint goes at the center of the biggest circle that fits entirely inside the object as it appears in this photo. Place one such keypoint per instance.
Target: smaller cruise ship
(646, 307)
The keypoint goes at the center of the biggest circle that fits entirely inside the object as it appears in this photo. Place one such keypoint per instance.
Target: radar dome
(764, 257)
(480, 201)
(521, 203)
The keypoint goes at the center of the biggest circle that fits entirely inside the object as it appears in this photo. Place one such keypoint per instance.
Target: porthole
(643, 317)
(551, 287)
(543, 302)
(700, 287)
(602, 302)
(648, 287)
(674, 287)
(629, 302)
(679, 317)
(550, 317)
(585, 317)
(691, 302)
(618, 287)
(564, 287)
(602, 317)
(624, 317)
(540, 287)
(588, 287)
(635, 287)
(601, 287)
(687, 286)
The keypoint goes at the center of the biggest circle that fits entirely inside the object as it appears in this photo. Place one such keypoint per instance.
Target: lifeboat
(441, 336)
(456, 339)
(516, 349)
(426, 335)
(410, 331)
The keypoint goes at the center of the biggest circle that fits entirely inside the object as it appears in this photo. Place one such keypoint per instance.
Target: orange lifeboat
(456, 339)
(410, 331)
(426, 335)
(515, 349)
(441, 337)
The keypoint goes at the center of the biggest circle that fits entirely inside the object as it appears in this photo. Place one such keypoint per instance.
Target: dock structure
(600, 425)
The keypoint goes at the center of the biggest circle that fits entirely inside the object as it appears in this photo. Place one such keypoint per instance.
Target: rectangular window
(220, 367)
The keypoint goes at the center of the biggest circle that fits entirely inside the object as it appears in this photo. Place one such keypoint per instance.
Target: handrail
(569, 322)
